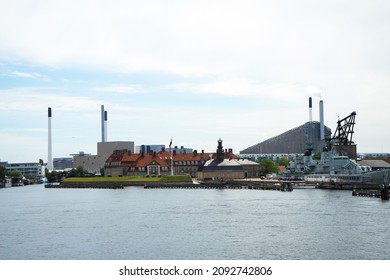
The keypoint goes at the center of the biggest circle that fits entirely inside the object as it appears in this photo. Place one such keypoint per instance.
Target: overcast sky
(195, 71)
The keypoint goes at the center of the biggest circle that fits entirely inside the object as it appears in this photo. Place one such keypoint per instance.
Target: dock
(284, 186)
(381, 192)
(86, 185)
(236, 184)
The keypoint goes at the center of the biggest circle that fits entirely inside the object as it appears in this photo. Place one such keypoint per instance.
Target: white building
(27, 169)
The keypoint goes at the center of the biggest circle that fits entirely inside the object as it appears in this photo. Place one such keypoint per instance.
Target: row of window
(144, 169)
(113, 163)
(188, 162)
(185, 162)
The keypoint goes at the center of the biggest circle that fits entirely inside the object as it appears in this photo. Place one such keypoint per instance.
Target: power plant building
(294, 141)
(311, 136)
(95, 163)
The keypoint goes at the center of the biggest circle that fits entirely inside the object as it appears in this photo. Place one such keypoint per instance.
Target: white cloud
(33, 99)
(247, 51)
(134, 88)
(23, 130)
(196, 37)
(241, 88)
(32, 75)
(270, 42)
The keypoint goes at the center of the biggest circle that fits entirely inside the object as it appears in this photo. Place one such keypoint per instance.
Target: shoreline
(236, 184)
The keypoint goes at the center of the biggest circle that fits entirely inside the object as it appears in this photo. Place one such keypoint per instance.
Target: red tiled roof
(191, 156)
(147, 159)
(128, 159)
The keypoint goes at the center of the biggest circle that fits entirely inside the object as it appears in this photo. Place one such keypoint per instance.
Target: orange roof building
(126, 163)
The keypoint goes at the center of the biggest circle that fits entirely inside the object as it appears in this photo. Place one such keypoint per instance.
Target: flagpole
(170, 147)
(171, 162)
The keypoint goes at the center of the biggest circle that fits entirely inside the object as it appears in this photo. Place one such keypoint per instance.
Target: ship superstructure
(338, 165)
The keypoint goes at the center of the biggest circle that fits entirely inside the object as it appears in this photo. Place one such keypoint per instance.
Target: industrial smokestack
(105, 126)
(310, 110)
(102, 123)
(49, 148)
(322, 125)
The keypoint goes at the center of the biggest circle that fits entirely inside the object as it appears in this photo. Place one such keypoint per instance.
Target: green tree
(14, 174)
(268, 166)
(82, 171)
(52, 176)
(78, 172)
(317, 156)
(2, 172)
(283, 161)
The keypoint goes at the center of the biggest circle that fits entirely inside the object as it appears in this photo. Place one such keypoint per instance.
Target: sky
(193, 71)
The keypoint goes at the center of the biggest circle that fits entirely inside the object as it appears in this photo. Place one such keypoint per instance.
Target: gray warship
(338, 167)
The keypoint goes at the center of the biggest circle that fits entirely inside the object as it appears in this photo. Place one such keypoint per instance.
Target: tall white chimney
(310, 110)
(322, 125)
(105, 126)
(49, 148)
(102, 123)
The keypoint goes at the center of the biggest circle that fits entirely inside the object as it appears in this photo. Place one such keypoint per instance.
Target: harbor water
(136, 224)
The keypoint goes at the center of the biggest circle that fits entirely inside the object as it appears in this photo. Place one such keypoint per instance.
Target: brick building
(125, 163)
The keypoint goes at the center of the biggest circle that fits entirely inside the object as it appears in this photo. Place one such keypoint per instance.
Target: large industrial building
(95, 163)
(293, 141)
(310, 136)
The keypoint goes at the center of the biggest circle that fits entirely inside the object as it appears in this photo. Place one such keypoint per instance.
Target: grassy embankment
(164, 179)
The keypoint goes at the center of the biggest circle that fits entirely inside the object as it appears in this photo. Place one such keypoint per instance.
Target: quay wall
(184, 185)
(94, 185)
(346, 186)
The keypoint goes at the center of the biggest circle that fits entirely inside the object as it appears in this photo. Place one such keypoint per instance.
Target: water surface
(134, 223)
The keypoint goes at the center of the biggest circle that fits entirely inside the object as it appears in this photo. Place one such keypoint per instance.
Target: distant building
(181, 150)
(126, 163)
(159, 147)
(104, 150)
(30, 170)
(149, 148)
(294, 141)
(375, 164)
(95, 163)
(222, 168)
(374, 155)
(87, 161)
(189, 162)
(382, 156)
(62, 163)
